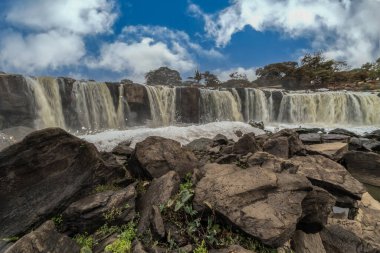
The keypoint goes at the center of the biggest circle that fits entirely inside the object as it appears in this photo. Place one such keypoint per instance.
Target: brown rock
(264, 204)
(365, 166)
(329, 175)
(231, 249)
(336, 150)
(155, 156)
(159, 192)
(44, 239)
(246, 144)
(308, 243)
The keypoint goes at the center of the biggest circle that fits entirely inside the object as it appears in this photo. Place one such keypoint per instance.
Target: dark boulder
(220, 139)
(365, 166)
(341, 131)
(44, 239)
(335, 138)
(246, 144)
(284, 144)
(309, 130)
(311, 138)
(155, 156)
(41, 175)
(200, 145)
(91, 212)
(159, 192)
(374, 135)
(308, 243)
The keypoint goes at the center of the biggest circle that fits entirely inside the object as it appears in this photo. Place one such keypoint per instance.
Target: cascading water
(330, 108)
(217, 105)
(48, 101)
(94, 106)
(162, 105)
(257, 106)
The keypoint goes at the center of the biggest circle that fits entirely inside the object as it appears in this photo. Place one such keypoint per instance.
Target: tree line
(313, 71)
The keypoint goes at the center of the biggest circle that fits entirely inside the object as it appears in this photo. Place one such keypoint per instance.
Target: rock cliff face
(41, 102)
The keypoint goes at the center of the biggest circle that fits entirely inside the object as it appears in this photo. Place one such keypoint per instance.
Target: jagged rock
(335, 150)
(89, 213)
(220, 139)
(157, 222)
(365, 166)
(226, 159)
(155, 156)
(341, 131)
(200, 145)
(329, 175)
(335, 138)
(259, 125)
(138, 247)
(104, 242)
(312, 138)
(271, 162)
(364, 144)
(262, 203)
(308, 243)
(44, 239)
(309, 130)
(231, 249)
(159, 192)
(246, 144)
(116, 165)
(123, 149)
(374, 135)
(316, 206)
(359, 235)
(284, 144)
(278, 146)
(42, 175)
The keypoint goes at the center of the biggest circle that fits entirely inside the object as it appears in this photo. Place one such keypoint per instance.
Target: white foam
(107, 140)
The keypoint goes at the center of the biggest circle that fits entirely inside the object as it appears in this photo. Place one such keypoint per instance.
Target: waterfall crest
(48, 101)
(330, 108)
(95, 108)
(162, 105)
(257, 106)
(217, 105)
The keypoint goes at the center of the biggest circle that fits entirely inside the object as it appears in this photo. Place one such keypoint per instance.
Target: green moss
(123, 244)
(201, 248)
(106, 187)
(85, 241)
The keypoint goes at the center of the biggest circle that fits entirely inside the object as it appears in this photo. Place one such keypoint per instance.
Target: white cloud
(39, 51)
(224, 74)
(140, 49)
(84, 16)
(50, 34)
(345, 29)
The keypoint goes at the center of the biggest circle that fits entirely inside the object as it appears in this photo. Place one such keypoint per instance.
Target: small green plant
(106, 187)
(113, 213)
(123, 244)
(58, 219)
(10, 239)
(85, 241)
(201, 248)
(107, 230)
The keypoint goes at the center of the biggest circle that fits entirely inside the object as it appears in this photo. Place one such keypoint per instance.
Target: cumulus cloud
(224, 74)
(140, 49)
(345, 29)
(50, 34)
(38, 51)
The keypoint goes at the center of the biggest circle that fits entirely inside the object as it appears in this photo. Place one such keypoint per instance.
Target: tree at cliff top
(207, 78)
(163, 76)
(237, 80)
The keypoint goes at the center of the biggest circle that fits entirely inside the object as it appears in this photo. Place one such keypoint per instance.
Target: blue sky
(115, 39)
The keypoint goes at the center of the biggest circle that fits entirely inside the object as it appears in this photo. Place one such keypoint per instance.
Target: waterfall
(48, 102)
(162, 105)
(257, 106)
(217, 105)
(330, 108)
(94, 106)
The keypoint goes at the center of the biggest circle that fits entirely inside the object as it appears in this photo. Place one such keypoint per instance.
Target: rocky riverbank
(291, 191)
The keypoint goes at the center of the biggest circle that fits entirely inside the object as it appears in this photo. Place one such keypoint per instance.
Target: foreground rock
(262, 203)
(44, 239)
(335, 150)
(284, 144)
(308, 243)
(155, 156)
(158, 193)
(329, 175)
(364, 166)
(359, 235)
(91, 212)
(42, 175)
